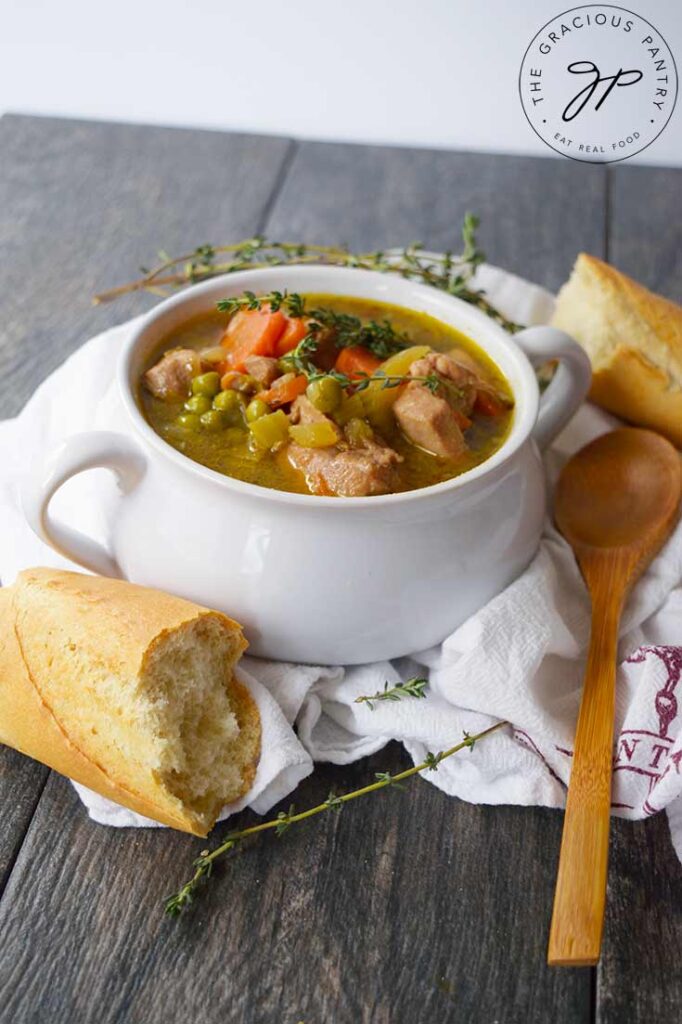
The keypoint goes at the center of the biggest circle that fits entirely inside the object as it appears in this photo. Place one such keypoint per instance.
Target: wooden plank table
(414, 907)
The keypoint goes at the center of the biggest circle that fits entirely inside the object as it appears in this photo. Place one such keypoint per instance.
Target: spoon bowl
(619, 491)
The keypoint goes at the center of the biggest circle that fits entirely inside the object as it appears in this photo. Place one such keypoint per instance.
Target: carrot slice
(252, 332)
(295, 330)
(284, 390)
(487, 404)
(357, 361)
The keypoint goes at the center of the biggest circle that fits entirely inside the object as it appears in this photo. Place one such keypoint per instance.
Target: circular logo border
(577, 159)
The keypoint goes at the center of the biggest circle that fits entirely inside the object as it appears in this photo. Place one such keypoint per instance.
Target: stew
(327, 395)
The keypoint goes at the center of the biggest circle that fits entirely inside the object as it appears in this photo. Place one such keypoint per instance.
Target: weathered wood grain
(640, 974)
(21, 783)
(639, 977)
(83, 205)
(411, 908)
(536, 213)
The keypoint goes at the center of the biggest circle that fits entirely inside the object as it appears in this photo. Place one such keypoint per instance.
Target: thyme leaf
(301, 355)
(284, 820)
(333, 802)
(432, 761)
(389, 779)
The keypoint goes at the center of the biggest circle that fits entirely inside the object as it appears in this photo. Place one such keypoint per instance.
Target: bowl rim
(526, 390)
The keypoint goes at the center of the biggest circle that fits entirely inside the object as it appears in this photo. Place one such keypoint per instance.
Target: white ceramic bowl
(319, 579)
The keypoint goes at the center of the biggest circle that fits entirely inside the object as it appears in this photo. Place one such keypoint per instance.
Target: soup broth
(411, 418)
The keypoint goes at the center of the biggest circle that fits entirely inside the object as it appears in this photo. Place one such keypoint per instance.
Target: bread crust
(663, 315)
(634, 339)
(638, 392)
(118, 623)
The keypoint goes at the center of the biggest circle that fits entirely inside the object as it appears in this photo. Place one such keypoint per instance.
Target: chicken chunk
(429, 421)
(263, 369)
(465, 373)
(357, 472)
(172, 375)
(465, 382)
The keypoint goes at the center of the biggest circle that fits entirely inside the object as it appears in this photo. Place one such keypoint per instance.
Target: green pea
(213, 421)
(256, 408)
(198, 404)
(227, 400)
(325, 394)
(188, 421)
(206, 384)
(231, 405)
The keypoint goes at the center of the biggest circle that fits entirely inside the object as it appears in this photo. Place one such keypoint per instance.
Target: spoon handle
(580, 895)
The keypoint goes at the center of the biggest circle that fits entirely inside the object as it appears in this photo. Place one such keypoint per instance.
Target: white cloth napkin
(520, 658)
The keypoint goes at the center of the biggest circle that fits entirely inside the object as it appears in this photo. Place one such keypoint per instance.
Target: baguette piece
(634, 340)
(129, 691)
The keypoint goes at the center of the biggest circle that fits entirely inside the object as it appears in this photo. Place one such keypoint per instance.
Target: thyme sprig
(300, 360)
(361, 381)
(380, 338)
(448, 273)
(300, 356)
(203, 865)
(414, 687)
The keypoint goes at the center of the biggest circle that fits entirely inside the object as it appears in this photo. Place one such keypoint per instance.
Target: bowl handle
(73, 456)
(569, 385)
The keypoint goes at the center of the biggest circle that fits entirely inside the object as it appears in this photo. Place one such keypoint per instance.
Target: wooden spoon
(616, 503)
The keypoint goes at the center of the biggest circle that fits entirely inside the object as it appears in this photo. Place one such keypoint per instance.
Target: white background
(439, 73)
